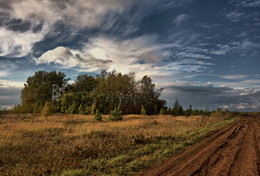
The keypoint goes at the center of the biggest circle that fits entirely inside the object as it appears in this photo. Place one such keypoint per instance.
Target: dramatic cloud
(70, 58)
(80, 13)
(18, 44)
(201, 96)
(142, 55)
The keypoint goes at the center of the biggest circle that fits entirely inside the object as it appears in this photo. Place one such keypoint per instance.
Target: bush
(98, 115)
(46, 109)
(72, 109)
(143, 110)
(115, 115)
(82, 109)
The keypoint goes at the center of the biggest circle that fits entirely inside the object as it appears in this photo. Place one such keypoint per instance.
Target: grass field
(79, 145)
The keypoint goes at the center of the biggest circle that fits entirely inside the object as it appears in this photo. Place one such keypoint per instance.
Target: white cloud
(79, 13)
(71, 58)
(18, 44)
(234, 16)
(180, 19)
(7, 84)
(249, 3)
(234, 76)
(110, 54)
(222, 50)
(141, 55)
(193, 55)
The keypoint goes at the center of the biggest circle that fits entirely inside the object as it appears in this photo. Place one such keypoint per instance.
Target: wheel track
(189, 159)
(224, 153)
(217, 158)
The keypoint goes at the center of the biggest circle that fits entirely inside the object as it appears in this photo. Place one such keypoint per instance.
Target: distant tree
(189, 111)
(177, 108)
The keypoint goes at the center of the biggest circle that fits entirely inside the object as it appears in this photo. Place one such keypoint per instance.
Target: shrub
(82, 109)
(72, 109)
(46, 109)
(98, 115)
(162, 111)
(143, 110)
(93, 108)
(115, 115)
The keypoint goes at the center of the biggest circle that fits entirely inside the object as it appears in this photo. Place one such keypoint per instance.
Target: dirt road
(233, 151)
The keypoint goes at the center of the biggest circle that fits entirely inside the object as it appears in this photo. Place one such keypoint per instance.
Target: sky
(202, 52)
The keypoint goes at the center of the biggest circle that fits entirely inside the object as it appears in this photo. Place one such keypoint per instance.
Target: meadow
(79, 145)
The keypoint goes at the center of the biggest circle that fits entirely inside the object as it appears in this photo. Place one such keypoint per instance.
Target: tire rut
(232, 151)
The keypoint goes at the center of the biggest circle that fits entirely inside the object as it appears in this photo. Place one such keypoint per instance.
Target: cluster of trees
(178, 110)
(50, 92)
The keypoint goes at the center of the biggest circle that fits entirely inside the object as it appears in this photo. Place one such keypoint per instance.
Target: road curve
(233, 151)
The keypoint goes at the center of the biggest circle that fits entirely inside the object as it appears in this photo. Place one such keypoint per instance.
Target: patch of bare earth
(235, 150)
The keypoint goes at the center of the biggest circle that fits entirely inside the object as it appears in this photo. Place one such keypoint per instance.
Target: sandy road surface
(233, 151)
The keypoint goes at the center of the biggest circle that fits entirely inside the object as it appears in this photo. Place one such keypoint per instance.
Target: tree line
(50, 92)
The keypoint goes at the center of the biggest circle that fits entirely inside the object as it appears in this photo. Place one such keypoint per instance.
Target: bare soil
(233, 151)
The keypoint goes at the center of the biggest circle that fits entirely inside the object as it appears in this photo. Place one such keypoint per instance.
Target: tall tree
(177, 108)
(43, 87)
(149, 96)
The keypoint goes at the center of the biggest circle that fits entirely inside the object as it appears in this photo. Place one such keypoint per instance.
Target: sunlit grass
(79, 145)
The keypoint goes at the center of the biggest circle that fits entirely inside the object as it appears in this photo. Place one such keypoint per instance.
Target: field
(79, 145)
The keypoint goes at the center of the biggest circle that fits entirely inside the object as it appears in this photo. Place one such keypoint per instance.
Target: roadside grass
(78, 145)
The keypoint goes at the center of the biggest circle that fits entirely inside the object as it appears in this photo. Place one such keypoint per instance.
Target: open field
(79, 145)
(234, 150)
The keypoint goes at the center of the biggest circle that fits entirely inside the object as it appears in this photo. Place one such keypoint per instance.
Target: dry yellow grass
(79, 145)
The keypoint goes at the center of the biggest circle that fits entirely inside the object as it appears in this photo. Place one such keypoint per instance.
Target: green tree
(189, 111)
(98, 115)
(43, 87)
(177, 108)
(148, 95)
(115, 115)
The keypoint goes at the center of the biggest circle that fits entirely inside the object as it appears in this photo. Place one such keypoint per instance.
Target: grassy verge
(78, 145)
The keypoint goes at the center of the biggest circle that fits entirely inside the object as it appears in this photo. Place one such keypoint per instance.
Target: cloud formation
(180, 19)
(201, 96)
(142, 55)
(80, 13)
(18, 44)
